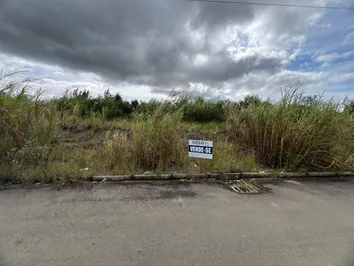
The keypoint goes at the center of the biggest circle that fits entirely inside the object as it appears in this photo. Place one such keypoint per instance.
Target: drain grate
(245, 187)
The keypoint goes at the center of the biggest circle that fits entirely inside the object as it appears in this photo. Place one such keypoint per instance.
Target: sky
(144, 49)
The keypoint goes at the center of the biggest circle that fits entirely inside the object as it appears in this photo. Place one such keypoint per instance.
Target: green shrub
(31, 154)
(199, 110)
(148, 107)
(81, 105)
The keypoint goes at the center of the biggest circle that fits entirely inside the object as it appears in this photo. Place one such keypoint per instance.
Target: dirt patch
(82, 138)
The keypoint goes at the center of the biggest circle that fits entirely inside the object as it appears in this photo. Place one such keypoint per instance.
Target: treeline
(197, 109)
(111, 106)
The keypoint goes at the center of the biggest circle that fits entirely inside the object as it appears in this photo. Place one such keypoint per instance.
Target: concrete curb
(219, 176)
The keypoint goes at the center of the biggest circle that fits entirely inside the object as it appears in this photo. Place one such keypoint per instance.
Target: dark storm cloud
(145, 41)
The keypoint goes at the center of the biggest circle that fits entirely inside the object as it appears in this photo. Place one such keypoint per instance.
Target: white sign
(200, 149)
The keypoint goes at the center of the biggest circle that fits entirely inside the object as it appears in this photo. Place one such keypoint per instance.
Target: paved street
(178, 224)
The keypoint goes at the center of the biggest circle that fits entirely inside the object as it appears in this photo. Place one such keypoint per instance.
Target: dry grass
(152, 144)
(155, 143)
(226, 158)
(291, 135)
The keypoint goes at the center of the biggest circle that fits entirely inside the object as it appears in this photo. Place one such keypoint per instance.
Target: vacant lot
(75, 135)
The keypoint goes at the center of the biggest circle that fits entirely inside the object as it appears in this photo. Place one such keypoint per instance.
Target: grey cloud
(212, 15)
(223, 68)
(148, 42)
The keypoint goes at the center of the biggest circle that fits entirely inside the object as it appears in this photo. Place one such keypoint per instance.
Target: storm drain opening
(245, 187)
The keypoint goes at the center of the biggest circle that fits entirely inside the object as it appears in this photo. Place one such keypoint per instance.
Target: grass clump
(24, 118)
(27, 127)
(152, 144)
(118, 152)
(52, 172)
(292, 134)
(156, 139)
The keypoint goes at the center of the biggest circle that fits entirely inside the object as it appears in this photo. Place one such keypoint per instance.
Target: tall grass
(156, 139)
(25, 120)
(291, 134)
(118, 152)
(153, 144)
(27, 128)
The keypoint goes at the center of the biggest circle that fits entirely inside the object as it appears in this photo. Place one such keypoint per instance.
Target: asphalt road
(178, 224)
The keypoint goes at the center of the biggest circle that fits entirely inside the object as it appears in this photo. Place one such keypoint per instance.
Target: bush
(31, 154)
(82, 105)
(199, 110)
(148, 108)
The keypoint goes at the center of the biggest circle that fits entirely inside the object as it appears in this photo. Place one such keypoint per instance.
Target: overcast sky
(146, 48)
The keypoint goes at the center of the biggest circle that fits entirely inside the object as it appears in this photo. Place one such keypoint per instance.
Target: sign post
(200, 149)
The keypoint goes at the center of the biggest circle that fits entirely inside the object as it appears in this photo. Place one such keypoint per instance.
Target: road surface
(293, 223)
